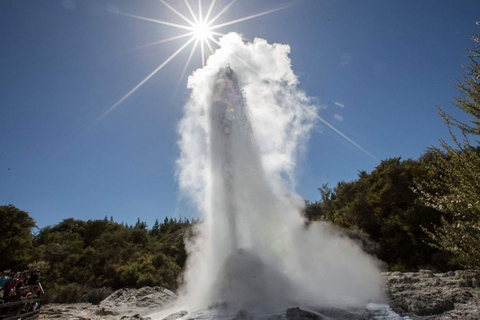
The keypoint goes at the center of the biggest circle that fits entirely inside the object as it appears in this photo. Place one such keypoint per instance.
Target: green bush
(70, 293)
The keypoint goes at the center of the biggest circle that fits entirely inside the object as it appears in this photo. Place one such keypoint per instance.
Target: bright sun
(200, 32)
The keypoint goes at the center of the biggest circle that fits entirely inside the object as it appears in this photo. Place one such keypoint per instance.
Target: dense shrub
(382, 210)
(68, 293)
(87, 260)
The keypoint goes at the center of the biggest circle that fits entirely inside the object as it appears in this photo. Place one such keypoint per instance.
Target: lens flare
(201, 31)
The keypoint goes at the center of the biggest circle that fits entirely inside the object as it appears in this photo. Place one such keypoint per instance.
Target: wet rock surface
(299, 314)
(175, 315)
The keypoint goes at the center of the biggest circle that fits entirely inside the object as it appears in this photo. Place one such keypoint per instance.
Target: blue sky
(376, 69)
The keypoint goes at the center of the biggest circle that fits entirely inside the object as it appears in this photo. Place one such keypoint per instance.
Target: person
(12, 295)
(22, 293)
(11, 284)
(4, 280)
(33, 279)
(2, 293)
(37, 291)
(20, 281)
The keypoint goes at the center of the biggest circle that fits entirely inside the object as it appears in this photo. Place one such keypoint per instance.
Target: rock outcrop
(130, 301)
(425, 295)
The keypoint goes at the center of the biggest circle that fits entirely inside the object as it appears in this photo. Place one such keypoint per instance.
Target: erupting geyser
(242, 131)
(238, 181)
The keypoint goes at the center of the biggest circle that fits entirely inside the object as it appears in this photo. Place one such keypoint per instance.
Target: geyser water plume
(242, 132)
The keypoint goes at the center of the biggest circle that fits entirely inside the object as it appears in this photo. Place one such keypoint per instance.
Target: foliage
(455, 187)
(88, 259)
(68, 293)
(469, 99)
(16, 244)
(381, 207)
(84, 261)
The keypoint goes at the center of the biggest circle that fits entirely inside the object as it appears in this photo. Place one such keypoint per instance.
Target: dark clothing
(33, 279)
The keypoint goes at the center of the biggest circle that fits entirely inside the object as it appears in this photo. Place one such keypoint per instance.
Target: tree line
(86, 260)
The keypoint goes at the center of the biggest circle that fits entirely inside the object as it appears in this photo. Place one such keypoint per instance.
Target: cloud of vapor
(311, 266)
(276, 108)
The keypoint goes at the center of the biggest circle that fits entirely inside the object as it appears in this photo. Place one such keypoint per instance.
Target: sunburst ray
(210, 10)
(189, 34)
(144, 80)
(154, 20)
(191, 11)
(217, 33)
(200, 11)
(202, 45)
(187, 63)
(178, 13)
(209, 46)
(221, 12)
(341, 134)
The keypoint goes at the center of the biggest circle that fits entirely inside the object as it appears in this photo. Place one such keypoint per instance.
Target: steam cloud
(276, 261)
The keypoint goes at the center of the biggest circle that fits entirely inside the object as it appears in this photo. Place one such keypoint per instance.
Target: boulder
(299, 314)
(131, 301)
(134, 317)
(176, 315)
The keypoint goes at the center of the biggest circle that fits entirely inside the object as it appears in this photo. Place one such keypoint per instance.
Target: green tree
(319, 210)
(155, 229)
(455, 187)
(88, 259)
(381, 210)
(16, 237)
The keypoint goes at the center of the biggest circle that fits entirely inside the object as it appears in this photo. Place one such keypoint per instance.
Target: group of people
(20, 286)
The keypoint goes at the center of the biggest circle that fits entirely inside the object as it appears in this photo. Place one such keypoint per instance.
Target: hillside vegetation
(86, 260)
(382, 211)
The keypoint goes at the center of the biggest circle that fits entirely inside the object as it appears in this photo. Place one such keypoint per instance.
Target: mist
(244, 129)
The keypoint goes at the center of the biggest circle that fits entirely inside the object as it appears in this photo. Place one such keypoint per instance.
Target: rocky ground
(124, 304)
(421, 295)
(426, 295)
